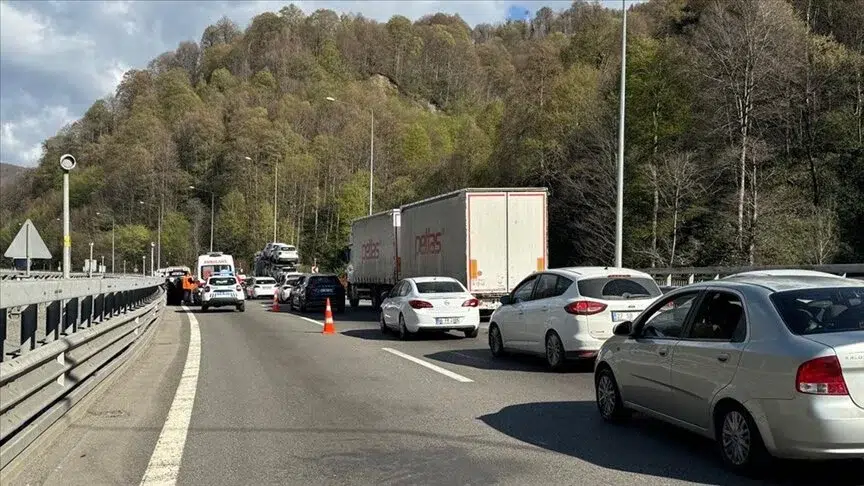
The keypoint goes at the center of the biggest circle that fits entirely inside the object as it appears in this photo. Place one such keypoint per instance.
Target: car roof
(594, 272)
(211, 277)
(782, 282)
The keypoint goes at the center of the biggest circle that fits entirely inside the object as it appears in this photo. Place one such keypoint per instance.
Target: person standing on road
(188, 287)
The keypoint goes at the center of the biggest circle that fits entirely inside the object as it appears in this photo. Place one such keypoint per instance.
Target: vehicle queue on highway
(767, 364)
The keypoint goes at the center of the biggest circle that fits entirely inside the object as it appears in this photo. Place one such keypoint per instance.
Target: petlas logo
(428, 243)
(370, 250)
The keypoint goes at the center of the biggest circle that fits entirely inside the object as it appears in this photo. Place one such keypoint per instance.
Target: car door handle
(545, 308)
(662, 351)
(722, 357)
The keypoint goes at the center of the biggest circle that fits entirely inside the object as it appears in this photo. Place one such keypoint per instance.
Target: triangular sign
(28, 244)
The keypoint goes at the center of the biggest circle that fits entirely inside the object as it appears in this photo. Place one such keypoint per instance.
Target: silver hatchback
(767, 365)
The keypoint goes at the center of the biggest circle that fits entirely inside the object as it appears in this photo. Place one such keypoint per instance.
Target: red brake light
(585, 307)
(238, 288)
(821, 376)
(420, 304)
(471, 303)
(207, 289)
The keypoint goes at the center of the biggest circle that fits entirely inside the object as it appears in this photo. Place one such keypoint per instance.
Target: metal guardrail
(676, 277)
(19, 275)
(90, 327)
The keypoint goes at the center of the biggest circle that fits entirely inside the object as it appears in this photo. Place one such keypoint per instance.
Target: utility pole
(90, 262)
(275, 189)
(619, 208)
(159, 232)
(371, 156)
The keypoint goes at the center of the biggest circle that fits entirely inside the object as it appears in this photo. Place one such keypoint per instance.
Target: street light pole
(152, 248)
(212, 206)
(67, 163)
(143, 265)
(275, 190)
(619, 208)
(159, 232)
(90, 262)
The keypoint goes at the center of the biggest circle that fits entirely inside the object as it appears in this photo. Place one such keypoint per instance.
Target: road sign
(28, 244)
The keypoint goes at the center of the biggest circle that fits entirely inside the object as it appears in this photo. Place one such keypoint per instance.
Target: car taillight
(238, 288)
(471, 303)
(585, 307)
(420, 304)
(207, 289)
(821, 376)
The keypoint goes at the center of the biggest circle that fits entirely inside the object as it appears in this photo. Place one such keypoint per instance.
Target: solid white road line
(429, 365)
(164, 466)
(307, 319)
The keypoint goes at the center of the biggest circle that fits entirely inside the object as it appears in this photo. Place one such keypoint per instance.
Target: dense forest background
(743, 141)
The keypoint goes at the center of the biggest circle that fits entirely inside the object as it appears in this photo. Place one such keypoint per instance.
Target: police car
(222, 290)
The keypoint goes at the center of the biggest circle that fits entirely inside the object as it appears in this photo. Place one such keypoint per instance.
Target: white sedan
(430, 304)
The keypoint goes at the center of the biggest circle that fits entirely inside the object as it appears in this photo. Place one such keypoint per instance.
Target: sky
(59, 56)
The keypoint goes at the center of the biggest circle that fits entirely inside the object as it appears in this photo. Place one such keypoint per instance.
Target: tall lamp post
(67, 163)
(619, 208)
(212, 211)
(113, 224)
(275, 192)
(158, 229)
(371, 144)
(152, 249)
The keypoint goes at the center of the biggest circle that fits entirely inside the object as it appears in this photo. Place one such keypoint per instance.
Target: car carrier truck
(488, 239)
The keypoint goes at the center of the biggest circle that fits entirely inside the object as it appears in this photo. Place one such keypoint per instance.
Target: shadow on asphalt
(646, 446)
(374, 334)
(482, 359)
(198, 310)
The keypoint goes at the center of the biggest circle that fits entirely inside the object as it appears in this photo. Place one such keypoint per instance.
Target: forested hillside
(744, 132)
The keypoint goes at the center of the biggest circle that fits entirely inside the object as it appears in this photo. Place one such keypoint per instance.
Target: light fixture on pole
(212, 212)
(371, 146)
(619, 207)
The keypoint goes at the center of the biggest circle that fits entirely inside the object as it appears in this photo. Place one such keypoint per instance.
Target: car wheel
(303, 307)
(472, 333)
(204, 307)
(554, 351)
(404, 333)
(496, 342)
(355, 303)
(340, 309)
(609, 401)
(739, 442)
(241, 307)
(383, 325)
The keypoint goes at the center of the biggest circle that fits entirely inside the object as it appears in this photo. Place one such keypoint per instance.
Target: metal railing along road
(58, 340)
(677, 277)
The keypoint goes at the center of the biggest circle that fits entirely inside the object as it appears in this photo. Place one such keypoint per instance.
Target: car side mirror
(505, 300)
(623, 328)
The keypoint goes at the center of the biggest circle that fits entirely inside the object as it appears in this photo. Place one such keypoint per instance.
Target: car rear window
(223, 281)
(821, 311)
(619, 288)
(324, 281)
(443, 287)
(265, 281)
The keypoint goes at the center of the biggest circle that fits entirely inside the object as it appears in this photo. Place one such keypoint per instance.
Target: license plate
(224, 292)
(444, 321)
(326, 291)
(624, 316)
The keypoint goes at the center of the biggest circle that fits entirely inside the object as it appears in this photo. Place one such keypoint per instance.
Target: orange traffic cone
(328, 320)
(275, 307)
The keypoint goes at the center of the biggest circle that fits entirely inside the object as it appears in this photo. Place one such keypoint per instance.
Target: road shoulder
(112, 441)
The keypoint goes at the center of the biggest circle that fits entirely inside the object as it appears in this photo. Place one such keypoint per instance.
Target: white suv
(223, 290)
(568, 312)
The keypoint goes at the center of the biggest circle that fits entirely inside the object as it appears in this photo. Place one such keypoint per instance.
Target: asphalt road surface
(265, 398)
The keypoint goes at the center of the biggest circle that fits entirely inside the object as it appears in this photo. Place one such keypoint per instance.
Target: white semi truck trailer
(488, 239)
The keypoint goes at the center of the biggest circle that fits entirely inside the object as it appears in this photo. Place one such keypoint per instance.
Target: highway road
(265, 398)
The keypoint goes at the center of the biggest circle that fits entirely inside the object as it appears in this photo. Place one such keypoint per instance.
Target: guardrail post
(52, 320)
(29, 318)
(2, 333)
(99, 312)
(71, 315)
(86, 311)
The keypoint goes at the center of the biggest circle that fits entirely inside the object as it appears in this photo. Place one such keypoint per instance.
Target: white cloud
(25, 34)
(17, 146)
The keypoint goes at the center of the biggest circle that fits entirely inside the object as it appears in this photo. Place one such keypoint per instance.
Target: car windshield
(220, 281)
(324, 281)
(440, 287)
(821, 311)
(265, 281)
(292, 281)
(207, 270)
(619, 288)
